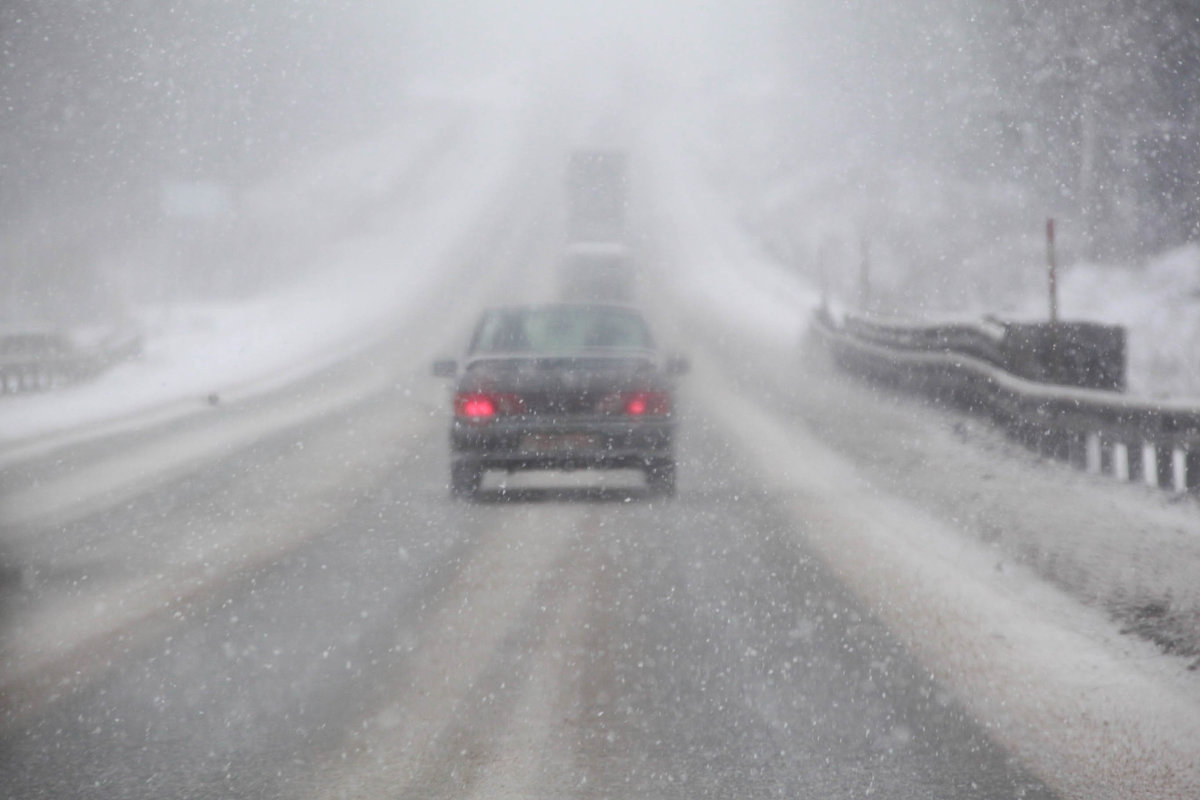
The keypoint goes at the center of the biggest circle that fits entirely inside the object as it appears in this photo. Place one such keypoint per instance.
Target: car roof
(645, 348)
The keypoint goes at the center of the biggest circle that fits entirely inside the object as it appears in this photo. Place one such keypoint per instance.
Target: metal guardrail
(1084, 354)
(1131, 438)
(44, 360)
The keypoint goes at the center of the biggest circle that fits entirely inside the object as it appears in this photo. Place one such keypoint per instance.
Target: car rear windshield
(559, 330)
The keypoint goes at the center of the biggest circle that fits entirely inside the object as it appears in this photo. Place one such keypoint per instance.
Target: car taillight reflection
(636, 404)
(482, 406)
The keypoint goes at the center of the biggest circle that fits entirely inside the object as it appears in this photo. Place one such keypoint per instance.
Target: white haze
(262, 188)
(159, 154)
(138, 128)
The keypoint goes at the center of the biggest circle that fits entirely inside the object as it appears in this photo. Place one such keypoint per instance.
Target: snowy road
(275, 596)
(352, 632)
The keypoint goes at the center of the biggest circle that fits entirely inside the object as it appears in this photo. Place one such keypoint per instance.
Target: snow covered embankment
(1096, 713)
(354, 285)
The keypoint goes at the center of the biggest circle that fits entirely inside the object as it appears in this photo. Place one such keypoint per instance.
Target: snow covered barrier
(1085, 354)
(1088, 355)
(40, 360)
(1130, 438)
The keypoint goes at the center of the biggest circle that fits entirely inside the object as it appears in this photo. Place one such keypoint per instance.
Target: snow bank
(1159, 305)
(936, 243)
(364, 282)
(1096, 713)
(718, 266)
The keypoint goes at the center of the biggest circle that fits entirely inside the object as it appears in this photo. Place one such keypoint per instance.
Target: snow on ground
(1159, 305)
(1095, 714)
(938, 244)
(1000, 570)
(347, 300)
(940, 581)
(727, 272)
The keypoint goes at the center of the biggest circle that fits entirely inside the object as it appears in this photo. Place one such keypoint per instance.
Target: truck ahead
(597, 194)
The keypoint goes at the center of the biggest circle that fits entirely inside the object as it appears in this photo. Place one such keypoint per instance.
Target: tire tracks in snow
(480, 703)
(51, 643)
(1036, 668)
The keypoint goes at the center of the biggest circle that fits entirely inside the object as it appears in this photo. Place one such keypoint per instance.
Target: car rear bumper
(563, 445)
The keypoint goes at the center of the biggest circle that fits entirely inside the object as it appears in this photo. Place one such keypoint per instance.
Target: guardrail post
(1133, 461)
(1093, 452)
(1108, 455)
(1164, 466)
(1149, 464)
(1191, 469)
(1077, 450)
(1118, 460)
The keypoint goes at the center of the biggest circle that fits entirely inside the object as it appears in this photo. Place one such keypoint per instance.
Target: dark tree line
(101, 95)
(1095, 105)
(1100, 104)
(104, 102)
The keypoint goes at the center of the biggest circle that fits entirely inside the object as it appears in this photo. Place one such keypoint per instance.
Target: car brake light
(636, 404)
(482, 406)
(474, 406)
(648, 404)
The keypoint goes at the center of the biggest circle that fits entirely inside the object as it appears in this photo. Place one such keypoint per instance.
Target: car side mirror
(445, 368)
(676, 365)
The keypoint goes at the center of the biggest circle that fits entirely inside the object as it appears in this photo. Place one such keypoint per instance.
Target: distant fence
(968, 366)
(44, 360)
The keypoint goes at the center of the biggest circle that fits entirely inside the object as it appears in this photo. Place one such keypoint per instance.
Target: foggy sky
(104, 102)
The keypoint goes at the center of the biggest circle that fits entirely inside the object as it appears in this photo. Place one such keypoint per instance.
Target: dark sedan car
(562, 386)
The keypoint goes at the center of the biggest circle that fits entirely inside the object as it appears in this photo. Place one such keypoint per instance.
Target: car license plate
(558, 442)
